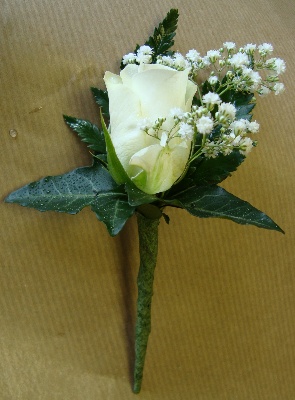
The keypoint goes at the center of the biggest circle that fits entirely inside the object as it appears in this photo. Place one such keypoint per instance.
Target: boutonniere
(173, 127)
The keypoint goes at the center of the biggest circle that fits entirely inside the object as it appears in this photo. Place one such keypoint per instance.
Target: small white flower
(228, 110)
(279, 88)
(254, 77)
(253, 127)
(204, 125)
(176, 112)
(245, 146)
(229, 45)
(145, 124)
(129, 58)
(239, 60)
(250, 48)
(265, 48)
(143, 58)
(211, 98)
(193, 55)
(205, 62)
(213, 80)
(264, 91)
(240, 126)
(210, 149)
(280, 66)
(213, 55)
(144, 55)
(145, 50)
(180, 62)
(186, 131)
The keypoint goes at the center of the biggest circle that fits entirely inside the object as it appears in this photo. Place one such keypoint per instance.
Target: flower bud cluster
(233, 138)
(142, 56)
(204, 120)
(246, 69)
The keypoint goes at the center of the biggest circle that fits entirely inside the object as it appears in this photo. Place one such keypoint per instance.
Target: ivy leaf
(214, 201)
(102, 99)
(137, 197)
(215, 170)
(87, 186)
(88, 133)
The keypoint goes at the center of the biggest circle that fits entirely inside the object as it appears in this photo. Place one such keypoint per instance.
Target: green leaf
(87, 186)
(102, 99)
(162, 39)
(137, 197)
(214, 201)
(215, 170)
(88, 133)
(114, 164)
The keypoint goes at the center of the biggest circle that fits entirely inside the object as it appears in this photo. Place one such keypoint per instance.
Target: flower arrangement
(172, 128)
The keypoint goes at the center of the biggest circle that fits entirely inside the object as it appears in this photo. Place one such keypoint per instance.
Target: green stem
(148, 249)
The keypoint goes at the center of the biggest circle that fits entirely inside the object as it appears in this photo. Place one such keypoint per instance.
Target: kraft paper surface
(223, 315)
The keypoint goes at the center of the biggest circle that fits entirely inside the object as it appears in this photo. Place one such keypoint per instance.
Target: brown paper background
(224, 309)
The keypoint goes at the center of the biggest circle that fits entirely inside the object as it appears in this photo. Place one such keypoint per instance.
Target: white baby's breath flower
(245, 146)
(280, 66)
(239, 60)
(143, 58)
(213, 55)
(279, 88)
(264, 91)
(253, 76)
(145, 50)
(210, 149)
(213, 80)
(265, 48)
(193, 55)
(249, 48)
(204, 125)
(228, 110)
(253, 127)
(145, 124)
(176, 112)
(180, 62)
(211, 98)
(229, 45)
(276, 64)
(144, 55)
(129, 58)
(186, 131)
(240, 126)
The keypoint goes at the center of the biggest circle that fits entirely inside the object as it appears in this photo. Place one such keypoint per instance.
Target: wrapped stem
(148, 249)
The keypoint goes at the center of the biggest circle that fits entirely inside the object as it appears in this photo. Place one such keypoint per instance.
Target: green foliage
(114, 165)
(214, 170)
(102, 99)
(88, 133)
(214, 201)
(162, 39)
(87, 186)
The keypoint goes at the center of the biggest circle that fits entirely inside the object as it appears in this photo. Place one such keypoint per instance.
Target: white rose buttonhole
(145, 103)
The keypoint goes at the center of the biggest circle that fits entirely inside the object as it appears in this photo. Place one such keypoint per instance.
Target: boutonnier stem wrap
(148, 250)
(168, 138)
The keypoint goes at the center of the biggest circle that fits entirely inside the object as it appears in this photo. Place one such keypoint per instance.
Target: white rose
(149, 92)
